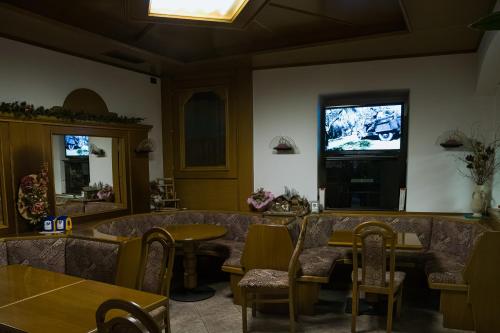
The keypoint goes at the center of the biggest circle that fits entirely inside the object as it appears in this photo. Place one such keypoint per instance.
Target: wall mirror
(88, 174)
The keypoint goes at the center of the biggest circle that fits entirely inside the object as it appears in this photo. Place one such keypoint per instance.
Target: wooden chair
(271, 265)
(137, 321)
(482, 275)
(375, 239)
(156, 266)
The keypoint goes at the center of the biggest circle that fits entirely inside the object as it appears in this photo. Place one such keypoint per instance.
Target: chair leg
(399, 303)
(354, 307)
(166, 320)
(291, 306)
(244, 309)
(254, 305)
(390, 306)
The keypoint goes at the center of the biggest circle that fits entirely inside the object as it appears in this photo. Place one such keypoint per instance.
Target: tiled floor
(219, 315)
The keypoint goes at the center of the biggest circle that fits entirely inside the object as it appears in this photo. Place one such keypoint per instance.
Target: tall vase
(478, 202)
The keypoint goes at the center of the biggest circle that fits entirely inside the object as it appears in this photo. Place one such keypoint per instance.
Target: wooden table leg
(190, 275)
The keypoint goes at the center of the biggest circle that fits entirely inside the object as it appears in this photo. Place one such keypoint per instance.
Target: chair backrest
(138, 321)
(294, 267)
(267, 246)
(375, 239)
(157, 261)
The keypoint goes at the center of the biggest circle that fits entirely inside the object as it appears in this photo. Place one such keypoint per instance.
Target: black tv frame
(364, 99)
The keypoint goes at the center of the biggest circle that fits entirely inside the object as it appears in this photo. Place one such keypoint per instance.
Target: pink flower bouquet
(260, 200)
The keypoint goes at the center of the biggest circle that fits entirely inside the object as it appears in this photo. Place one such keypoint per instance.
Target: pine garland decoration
(28, 111)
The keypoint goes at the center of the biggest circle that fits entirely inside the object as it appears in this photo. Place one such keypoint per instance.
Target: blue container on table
(63, 223)
(49, 224)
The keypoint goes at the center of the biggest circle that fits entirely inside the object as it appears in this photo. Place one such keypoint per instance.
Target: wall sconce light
(283, 145)
(99, 152)
(145, 146)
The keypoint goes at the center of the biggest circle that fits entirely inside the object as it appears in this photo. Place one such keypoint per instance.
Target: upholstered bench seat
(226, 248)
(86, 258)
(444, 268)
(319, 261)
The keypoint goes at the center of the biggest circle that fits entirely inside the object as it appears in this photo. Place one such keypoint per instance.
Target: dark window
(205, 130)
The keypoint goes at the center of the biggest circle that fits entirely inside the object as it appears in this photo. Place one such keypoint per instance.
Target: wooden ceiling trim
(405, 15)
(306, 12)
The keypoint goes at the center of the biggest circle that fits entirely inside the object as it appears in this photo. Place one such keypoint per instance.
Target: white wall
(101, 168)
(442, 97)
(44, 78)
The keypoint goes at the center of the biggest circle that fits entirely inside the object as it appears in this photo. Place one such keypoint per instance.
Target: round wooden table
(189, 235)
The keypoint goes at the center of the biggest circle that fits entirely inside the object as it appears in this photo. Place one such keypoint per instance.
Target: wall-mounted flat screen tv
(362, 128)
(76, 145)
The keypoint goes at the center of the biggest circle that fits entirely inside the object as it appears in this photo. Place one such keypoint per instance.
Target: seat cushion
(264, 278)
(226, 248)
(399, 277)
(319, 261)
(445, 268)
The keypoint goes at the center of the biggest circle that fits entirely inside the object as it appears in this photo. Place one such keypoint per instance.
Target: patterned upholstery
(264, 278)
(422, 226)
(3, 254)
(454, 238)
(399, 277)
(229, 249)
(374, 257)
(89, 259)
(43, 253)
(445, 268)
(319, 230)
(318, 261)
(152, 279)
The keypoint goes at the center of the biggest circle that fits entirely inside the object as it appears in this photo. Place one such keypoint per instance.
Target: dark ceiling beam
(140, 35)
(306, 12)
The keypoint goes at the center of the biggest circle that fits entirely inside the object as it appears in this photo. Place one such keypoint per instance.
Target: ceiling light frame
(138, 10)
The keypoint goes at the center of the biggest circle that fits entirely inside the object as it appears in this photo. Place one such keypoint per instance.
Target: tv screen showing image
(362, 128)
(76, 145)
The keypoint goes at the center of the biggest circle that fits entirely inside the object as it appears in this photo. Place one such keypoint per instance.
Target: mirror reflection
(86, 174)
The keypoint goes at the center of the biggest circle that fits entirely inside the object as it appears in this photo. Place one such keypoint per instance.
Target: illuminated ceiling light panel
(204, 10)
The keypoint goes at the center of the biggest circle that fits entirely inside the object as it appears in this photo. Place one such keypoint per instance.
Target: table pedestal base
(192, 295)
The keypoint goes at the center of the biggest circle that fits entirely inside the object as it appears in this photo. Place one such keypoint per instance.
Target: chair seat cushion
(264, 278)
(319, 261)
(399, 277)
(445, 268)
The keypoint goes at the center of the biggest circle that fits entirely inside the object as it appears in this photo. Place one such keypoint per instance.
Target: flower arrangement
(32, 202)
(106, 193)
(24, 110)
(260, 199)
(290, 201)
(480, 162)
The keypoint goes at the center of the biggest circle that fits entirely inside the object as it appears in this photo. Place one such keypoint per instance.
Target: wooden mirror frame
(7, 225)
(120, 177)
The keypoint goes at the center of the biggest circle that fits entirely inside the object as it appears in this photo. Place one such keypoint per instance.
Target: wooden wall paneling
(30, 147)
(138, 174)
(240, 143)
(167, 127)
(7, 204)
(243, 101)
(209, 194)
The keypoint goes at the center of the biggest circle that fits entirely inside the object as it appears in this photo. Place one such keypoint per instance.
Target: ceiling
(280, 33)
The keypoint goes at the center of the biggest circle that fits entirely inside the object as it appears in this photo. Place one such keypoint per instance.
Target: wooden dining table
(189, 235)
(404, 240)
(35, 300)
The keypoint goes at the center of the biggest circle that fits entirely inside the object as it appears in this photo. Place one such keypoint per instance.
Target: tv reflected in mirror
(76, 145)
